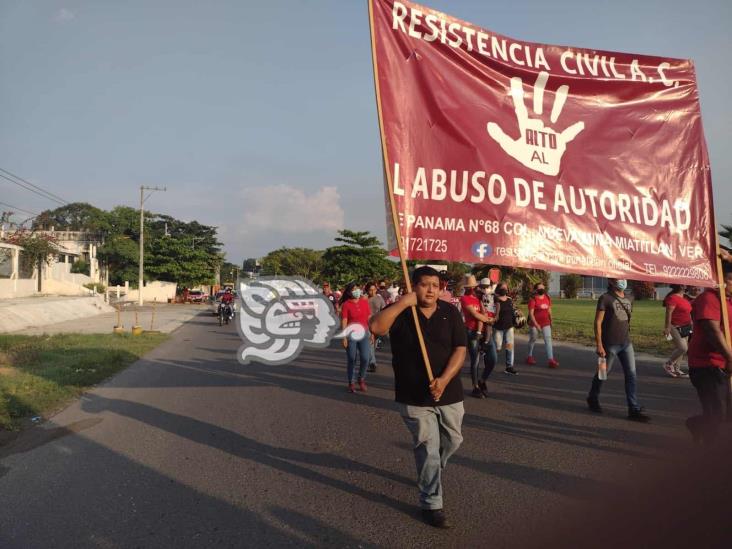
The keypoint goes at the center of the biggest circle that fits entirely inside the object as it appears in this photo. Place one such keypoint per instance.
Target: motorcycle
(226, 313)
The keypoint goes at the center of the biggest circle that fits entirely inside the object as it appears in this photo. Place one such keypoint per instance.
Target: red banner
(516, 153)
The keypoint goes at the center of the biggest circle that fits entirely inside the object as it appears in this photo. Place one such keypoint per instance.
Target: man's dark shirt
(442, 332)
(615, 323)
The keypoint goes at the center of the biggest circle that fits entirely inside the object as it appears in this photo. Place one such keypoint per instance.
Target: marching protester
(355, 310)
(327, 292)
(433, 412)
(612, 337)
(445, 294)
(474, 318)
(490, 356)
(503, 327)
(710, 360)
(540, 320)
(677, 327)
(393, 292)
(383, 292)
(376, 303)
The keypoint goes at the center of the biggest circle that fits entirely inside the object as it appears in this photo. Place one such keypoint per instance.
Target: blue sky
(260, 117)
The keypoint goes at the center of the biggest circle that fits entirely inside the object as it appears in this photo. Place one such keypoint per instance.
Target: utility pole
(143, 198)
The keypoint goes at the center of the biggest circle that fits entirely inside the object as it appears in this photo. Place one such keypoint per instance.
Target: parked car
(197, 296)
(215, 301)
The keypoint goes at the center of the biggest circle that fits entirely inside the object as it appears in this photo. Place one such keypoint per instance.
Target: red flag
(517, 153)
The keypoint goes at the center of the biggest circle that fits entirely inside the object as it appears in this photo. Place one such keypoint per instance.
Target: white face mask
(356, 293)
(621, 284)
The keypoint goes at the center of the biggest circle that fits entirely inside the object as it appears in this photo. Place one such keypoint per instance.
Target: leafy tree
(570, 284)
(642, 289)
(303, 262)
(229, 272)
(177, 260)
(360, 257)
(37, 250)
(78, 216)
(250, 264)
(120, 253)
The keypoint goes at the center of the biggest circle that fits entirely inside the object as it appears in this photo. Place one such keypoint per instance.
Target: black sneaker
(371, 368)
(510, 371)
(594, 405)
(436, 518)
(638, 415)
(483, 388)
(477, 393)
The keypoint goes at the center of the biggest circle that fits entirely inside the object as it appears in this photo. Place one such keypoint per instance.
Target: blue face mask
(356, 293)
(621, 285)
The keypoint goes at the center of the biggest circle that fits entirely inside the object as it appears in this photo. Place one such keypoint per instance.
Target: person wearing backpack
(612, 337)
(503, 327)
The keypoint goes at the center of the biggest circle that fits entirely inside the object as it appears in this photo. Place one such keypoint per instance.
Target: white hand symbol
(538, 147)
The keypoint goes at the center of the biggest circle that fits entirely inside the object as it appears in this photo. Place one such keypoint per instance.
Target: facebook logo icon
(482, 249)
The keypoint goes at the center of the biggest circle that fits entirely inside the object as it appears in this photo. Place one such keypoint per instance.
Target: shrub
(80, 267)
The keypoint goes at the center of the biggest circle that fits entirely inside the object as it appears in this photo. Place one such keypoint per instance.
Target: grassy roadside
(39, 374)
(573, 321)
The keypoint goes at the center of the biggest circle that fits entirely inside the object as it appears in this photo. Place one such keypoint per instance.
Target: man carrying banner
(433, 412)
(612, 336)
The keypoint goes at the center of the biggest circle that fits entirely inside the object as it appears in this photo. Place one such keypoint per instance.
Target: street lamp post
(142, 236)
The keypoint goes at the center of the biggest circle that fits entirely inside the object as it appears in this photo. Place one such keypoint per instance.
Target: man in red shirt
(473, 316)
(710, 361)
(540, 320)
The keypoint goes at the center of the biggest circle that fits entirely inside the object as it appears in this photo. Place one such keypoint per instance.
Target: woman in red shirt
(540, 320)
(355, 309)
(678, 328)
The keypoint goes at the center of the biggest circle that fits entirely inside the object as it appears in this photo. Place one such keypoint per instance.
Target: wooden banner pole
(392, 202)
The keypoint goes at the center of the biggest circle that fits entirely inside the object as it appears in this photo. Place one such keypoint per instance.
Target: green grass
(40, 374)
(574, 318)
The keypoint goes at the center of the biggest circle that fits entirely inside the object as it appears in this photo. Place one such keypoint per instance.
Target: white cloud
(64, 15)
(288, 210)
(257, 220)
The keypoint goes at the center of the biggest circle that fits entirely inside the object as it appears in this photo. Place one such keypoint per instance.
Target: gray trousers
(436, 436)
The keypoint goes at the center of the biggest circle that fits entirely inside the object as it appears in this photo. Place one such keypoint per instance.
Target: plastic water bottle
(601, 368)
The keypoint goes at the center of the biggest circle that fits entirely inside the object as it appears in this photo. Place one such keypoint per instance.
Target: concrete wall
(154, 291)
(27, 313)
(23, 287)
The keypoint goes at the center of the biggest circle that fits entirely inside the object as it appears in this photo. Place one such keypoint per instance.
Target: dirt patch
(5, 360)
(7, 371)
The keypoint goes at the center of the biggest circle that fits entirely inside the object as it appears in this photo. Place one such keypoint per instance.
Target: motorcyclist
(227, 299)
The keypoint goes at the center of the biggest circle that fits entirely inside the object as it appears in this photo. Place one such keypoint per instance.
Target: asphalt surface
(187, 448)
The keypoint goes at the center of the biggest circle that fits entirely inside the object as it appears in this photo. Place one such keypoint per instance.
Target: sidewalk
(167, 318)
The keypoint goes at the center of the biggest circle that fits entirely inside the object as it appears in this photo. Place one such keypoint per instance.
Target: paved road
(187, 448)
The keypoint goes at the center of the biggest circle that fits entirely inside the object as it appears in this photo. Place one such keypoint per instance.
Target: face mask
(501, 291)
(540, 291)
(621, 285)
(356, 293)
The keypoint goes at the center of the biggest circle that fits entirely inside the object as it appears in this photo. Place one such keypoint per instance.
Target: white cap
(486, 282)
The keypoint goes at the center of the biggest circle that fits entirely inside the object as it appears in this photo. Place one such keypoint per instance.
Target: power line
(28, 186)
(18, 209)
